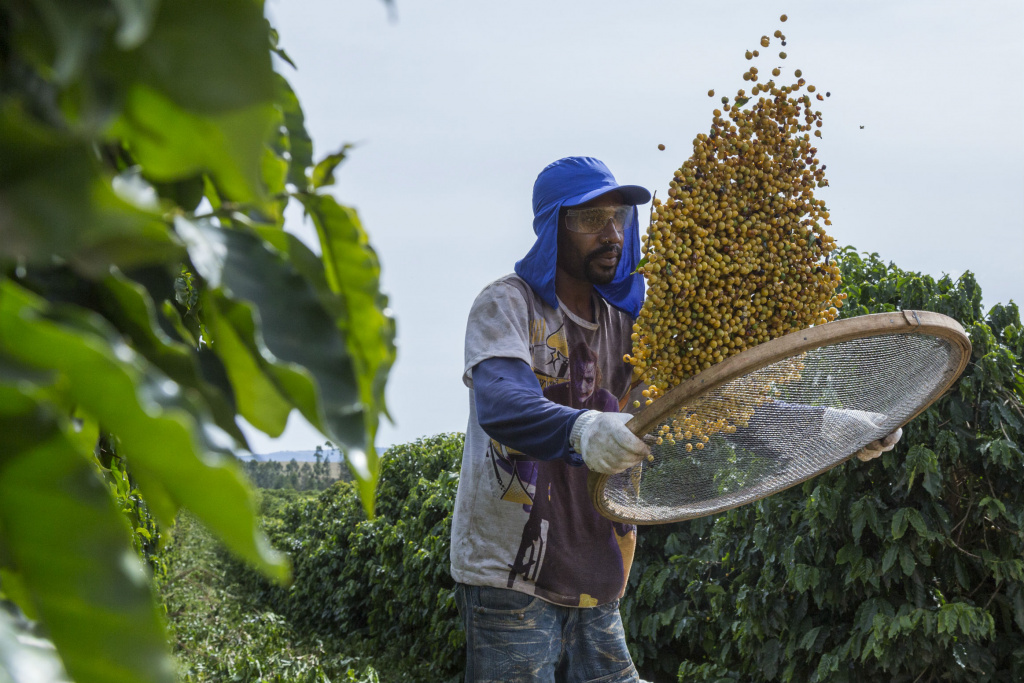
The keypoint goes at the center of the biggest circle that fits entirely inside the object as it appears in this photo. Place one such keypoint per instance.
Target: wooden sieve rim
(787, 346)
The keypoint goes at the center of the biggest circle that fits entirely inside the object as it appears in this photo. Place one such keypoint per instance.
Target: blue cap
(576, 180)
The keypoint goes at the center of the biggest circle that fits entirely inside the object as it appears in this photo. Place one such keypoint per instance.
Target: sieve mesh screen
(782, 424)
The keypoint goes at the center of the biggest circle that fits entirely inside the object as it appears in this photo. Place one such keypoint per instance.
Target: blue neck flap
(569, 182)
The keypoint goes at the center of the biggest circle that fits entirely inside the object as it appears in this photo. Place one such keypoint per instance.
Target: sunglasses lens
(595, 219)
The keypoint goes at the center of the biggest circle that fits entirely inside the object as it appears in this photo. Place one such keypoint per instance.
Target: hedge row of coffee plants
(380, 587)
(905, 568)
(218, 634)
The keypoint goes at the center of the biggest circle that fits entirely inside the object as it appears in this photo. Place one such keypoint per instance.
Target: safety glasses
(593, 220)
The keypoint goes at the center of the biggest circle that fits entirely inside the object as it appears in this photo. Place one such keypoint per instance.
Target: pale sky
(456, 105)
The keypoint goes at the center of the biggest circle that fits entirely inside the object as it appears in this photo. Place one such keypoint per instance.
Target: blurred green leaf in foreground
(149, 297)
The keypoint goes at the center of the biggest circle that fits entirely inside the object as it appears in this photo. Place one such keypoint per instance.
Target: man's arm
(512, 410)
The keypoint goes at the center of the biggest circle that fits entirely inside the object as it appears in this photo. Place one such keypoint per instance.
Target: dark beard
(591, 271)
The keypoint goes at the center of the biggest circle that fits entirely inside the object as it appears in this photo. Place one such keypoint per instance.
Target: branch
(954, 544)
(993, 596)
(970, 504)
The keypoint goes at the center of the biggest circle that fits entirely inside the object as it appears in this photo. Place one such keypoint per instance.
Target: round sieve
(782, 412)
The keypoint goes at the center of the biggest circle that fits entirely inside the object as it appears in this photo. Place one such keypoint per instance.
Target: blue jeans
(513, 637)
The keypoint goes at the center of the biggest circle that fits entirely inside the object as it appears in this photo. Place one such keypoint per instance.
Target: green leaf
(889, 559)
(899, 522)
(160, 430)
(920, 526)
(1003, 451)
(866, 613)
(275, 38)
(947, 618)
(174, 144)
(849, 553)
(185, 194)
(55, 201)
(300, 146)
(323, 172)
(62, 34)
(128, 305)
(299, 339)
(353, 274)
(858, 517)
(258, 398)
(805, 577)
(13, 588)
(207, 57)
(74, 551)
(920, 460)
(274, 174)
(809, 638)
(1018, 606)
(907, 561)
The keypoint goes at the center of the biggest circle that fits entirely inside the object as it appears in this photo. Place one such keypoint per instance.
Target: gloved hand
(840, 418)
(879, 446)
(606, 444)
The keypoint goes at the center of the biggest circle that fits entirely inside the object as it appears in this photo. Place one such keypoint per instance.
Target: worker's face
(592, 257)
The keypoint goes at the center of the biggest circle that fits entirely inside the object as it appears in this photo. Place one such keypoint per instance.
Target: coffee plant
(378, 587)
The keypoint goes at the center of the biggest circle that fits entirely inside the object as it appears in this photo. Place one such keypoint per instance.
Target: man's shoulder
(506, 286)
(510, 280)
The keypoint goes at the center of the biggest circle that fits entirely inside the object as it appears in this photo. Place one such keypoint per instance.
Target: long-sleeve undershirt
(512, 410)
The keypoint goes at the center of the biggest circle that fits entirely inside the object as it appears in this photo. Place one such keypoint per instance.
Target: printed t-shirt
(527, 524)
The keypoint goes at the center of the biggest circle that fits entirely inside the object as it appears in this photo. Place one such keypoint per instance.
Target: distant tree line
(295, 475)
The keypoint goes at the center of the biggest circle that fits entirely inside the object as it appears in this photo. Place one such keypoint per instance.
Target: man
(539, 572)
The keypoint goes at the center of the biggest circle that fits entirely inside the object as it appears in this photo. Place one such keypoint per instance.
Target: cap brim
(632, 194)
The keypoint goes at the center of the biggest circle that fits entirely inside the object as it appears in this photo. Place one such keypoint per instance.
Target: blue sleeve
(512, 410)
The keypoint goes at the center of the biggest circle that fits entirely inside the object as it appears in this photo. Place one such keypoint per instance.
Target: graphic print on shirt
(550, 353)
(583, 390)
(539, 559)
(517, 477)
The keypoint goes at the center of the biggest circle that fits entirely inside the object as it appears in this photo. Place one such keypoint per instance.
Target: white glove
(879, 446)
(606, 444)
(839, 419)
